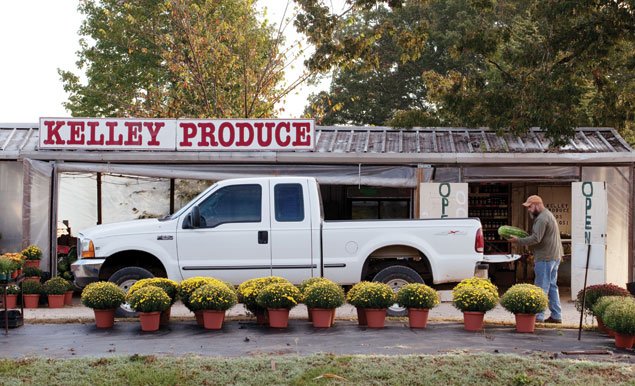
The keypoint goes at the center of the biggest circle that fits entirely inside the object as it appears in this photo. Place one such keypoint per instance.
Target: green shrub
(213, 297)
(170, 287)
(604, 302)
(55, 286)
(103, 295)
(31, 287)
(371, 295)
(417, 295)
(32, 252)
(525, 299)
(70, 286)
(32, 271)
(324, 294)
(279, 295)
(6, 265)
(13, 290)
(149, 299)
(620, 317)
(594, 292)
(249, 290)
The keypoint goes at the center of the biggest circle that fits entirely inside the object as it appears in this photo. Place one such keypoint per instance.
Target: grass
(449, 369)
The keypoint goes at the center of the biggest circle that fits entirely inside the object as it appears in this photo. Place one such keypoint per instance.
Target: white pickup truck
(246, 228)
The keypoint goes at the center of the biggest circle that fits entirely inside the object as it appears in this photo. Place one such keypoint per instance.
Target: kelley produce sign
(177, 134)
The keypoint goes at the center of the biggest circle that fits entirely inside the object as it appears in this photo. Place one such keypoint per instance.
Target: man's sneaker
(552, 320)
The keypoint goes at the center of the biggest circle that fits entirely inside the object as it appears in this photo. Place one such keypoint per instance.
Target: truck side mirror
(195, 216)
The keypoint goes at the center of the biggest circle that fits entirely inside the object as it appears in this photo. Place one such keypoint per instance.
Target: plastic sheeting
(367, 175)
(10, 207)
(516, 173)
(77, 200)
(129, 198)
(36, 208)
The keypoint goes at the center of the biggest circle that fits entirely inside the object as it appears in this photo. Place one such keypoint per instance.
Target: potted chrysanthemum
(620, 318)
(595, 292)
(33, 256)
(602, 304)
(278, 299)
(418, 298)
(170, 287)
(32, 273)
(374, 298)
(188, 286)
(149, 302)
(304, 285)
(56, 289)
(323, 297)
(352, 294)
(525, 301)
(103, 297)
(213, 300)
(248, 293)
(68, 296)
(31, 291)
(12, 296)
(474, 297)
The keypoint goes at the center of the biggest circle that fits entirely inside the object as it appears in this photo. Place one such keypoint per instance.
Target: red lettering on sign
(134, 138)
(153, 132)
(111, 135)
(53, 132)
(207, 134)
(221, 134)
(189, 132)
(92, 141)
(285, 126)
(77, 133)
(244, 140)
(261, 141)
(302, 134)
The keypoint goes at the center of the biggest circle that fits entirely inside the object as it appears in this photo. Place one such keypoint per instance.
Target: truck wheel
(396, 277)
(125, 278)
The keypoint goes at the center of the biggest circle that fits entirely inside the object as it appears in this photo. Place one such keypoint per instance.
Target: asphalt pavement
(246, 338)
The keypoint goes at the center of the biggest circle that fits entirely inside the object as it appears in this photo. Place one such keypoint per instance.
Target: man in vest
(547, 246)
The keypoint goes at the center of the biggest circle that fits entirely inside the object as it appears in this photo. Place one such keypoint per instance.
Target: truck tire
(396, 277)
(125, 278)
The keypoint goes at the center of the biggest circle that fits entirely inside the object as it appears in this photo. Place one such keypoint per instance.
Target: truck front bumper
(86, 271)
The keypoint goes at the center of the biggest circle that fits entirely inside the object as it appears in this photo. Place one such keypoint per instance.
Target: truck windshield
(187, 206)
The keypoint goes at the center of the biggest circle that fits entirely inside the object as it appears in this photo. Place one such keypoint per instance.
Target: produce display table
(5, 284)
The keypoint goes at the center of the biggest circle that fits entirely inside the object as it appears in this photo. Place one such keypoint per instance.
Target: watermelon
(506, 231)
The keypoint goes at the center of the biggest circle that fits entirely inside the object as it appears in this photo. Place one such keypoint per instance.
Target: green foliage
(279, 295)
(417, 295)
(55, 286)
(13, 290)
(249, 290)
(64, 263)
(595, 292)
(188, 286)
(475, 294)
(600, 306)
(371, 295)
(213, 297)
(170, 287)
(620, 317)
(32, 252)
(509, 65)
(31, 287)
(149, 299)
(324, 294)
(6, 265)
(102, 295)
(309, 282)
(32, 271)
(525, 299)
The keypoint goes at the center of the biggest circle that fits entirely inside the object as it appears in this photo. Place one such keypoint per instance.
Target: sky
(39, 36)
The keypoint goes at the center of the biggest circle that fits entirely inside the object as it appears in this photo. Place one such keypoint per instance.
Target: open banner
(443, 200)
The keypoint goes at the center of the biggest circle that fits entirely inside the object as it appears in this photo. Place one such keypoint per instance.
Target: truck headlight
(86, 248)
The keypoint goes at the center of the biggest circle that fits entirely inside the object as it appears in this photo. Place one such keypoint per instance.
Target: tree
(507, 64)
(174, 58)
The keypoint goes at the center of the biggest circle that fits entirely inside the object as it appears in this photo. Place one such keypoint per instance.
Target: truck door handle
(263, 237)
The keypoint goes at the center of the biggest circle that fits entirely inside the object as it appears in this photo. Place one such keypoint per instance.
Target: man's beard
(532, 214)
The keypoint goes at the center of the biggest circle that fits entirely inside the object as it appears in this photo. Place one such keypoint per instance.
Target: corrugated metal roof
(20, 141)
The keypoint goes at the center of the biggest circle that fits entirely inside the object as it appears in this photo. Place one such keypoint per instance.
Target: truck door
(233, 241)
(291, 231)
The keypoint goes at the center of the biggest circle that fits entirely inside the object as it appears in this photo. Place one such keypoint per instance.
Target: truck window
(289, 203)
(236, 203)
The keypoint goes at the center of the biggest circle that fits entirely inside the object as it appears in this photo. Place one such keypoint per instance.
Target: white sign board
(177, 134)
(443, 200)
(589, 212)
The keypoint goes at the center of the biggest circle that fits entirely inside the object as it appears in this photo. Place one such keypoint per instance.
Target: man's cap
(533, 200)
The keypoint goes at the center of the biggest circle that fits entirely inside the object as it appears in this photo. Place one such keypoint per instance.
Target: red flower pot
(14, 274)
(473, 320)
(34, 278)
(12, 300)
(309, 311)
(165, 317)
(213, 320)
(31, 301)
(32, 263)
(624, 341)
(199, 318)
(149, 320)
(262, 318)
(376, 317)
(278, 317)
(333, 316)
(56, 301)
(68, 298)
(361, 316)
(525, 322)
(418, 317)
(602, 326)
(322, 317)
(19, 271)
(104, 318)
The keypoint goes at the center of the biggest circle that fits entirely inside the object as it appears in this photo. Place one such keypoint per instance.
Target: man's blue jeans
(546, 278)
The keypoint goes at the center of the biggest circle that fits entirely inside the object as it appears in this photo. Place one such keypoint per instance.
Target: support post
(586, 273)
(98, 198)
(172, 189)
